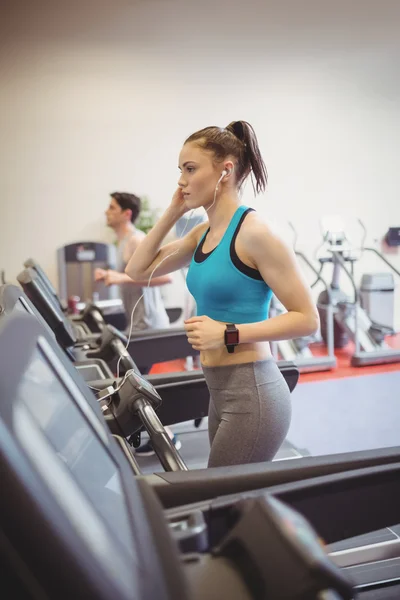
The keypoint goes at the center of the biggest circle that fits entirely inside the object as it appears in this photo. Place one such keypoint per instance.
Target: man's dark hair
(128, 201)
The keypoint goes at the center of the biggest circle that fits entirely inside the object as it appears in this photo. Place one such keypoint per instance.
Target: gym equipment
(377, 298)
(30, 263)
(66, 331)
(12, 300)
(340, 506)
(151, 346)
(92, 315)
(297, 350)
(126, 409)
(56, 454)
(351, 320)
(144, 344)
(138, 556)
(76, 265)
(131, 407)
(96, 315)
(174, 388)
(253, 476)
(392, 236)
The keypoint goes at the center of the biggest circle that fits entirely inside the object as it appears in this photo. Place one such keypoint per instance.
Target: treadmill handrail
(137, 336)
(203, 484)
(163, 446)
(339, 505)
(168, 380)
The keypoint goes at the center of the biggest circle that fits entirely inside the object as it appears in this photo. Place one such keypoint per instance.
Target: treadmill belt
(374, 537)
(371, 574)
(391, 592)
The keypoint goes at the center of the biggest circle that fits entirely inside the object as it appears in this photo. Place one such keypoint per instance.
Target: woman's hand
(178, 204)
(204, 333)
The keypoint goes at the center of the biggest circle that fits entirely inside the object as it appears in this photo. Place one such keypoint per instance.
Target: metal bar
(330, 342)
(160, 440)
(121, 352)
(385, 260)
(366, 554)
(317, 273)
(341, 260)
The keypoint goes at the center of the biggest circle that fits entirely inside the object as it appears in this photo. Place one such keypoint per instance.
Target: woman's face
(199, 175)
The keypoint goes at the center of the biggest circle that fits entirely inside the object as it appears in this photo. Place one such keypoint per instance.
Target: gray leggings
(249, 413)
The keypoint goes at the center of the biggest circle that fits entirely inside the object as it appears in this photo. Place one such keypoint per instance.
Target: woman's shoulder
(255, 225)
(198, 231)
(258, 233)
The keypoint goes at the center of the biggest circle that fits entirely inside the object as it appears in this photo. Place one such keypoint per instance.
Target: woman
(236, 263)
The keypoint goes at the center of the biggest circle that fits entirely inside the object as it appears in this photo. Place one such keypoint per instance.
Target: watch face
(231, 337)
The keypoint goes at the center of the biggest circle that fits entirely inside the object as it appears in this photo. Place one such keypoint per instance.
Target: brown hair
(128, 201)
(238, 140)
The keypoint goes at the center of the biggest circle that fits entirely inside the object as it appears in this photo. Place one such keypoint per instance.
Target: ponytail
(253, 161)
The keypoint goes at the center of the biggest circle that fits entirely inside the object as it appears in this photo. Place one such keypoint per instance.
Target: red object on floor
(343, 369)
(171, 366)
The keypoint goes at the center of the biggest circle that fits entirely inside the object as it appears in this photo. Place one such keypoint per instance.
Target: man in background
(150, 312)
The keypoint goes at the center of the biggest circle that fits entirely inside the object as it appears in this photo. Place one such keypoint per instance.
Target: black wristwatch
(231, 337)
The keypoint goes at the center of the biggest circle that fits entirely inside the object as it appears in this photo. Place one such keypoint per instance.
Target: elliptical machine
(298, 350)
(352, 321)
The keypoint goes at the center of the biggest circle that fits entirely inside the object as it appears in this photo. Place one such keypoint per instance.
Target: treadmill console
(283, 552)
(122, 412)
(142, 387)
(52, 313)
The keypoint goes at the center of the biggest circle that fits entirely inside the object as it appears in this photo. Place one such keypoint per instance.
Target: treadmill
(12, 298)
(76, 523)
(156, 345)
(175, 388)
(176, 397)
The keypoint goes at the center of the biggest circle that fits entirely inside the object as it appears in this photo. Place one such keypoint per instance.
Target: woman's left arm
(279, 268)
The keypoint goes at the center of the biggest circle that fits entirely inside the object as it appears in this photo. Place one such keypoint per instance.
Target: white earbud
(224, 172)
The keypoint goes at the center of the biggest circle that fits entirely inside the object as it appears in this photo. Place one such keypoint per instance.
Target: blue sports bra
(224, 288)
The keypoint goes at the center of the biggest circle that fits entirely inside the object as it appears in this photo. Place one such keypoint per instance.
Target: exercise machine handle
(133, 406)
(160, 440)
(113, 345)
(121, 351)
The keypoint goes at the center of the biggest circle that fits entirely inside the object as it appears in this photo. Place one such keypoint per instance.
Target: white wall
(99, 96)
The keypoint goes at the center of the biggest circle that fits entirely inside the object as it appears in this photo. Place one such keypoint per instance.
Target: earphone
(224, 172)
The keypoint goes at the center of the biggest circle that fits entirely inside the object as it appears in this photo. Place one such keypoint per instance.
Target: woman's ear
(228, 168)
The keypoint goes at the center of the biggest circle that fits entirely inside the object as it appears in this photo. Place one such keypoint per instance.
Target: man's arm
(116, 278)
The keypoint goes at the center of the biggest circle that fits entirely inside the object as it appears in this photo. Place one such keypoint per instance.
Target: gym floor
(343, 410)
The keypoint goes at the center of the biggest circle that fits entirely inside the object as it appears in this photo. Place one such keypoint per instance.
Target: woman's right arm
(149, 254)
